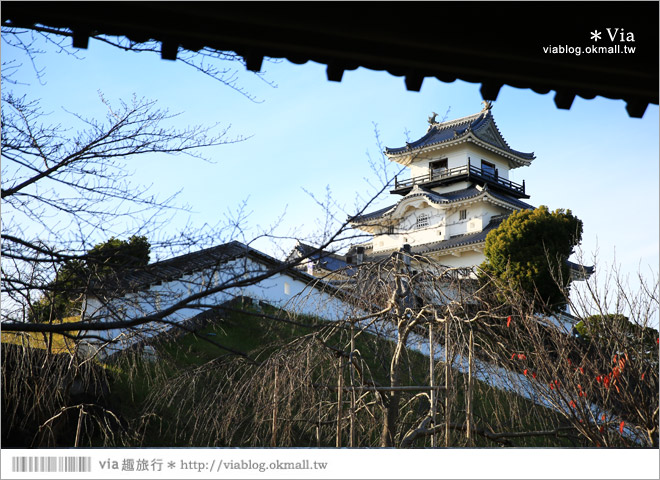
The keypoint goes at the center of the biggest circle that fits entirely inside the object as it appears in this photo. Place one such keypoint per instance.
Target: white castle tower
(458, 191)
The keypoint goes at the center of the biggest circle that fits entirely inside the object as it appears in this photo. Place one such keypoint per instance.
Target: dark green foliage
(529, 251)
(595, 326)
(601, 329)
(63, 296)
(115, 254)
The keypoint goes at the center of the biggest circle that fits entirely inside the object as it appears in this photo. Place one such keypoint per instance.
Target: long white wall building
(180, 288)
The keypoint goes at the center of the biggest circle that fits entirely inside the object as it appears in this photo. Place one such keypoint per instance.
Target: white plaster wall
(477, 218)
(285, 291)
(458, 156)
(444, 223)
(478, 154)
(406, 230)
(451, 188)
(460, 260)
(282, 290)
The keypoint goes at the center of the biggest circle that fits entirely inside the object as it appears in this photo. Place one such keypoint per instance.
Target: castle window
(488, 169)
(422, 221)
(390, 230)
(438, 167)
(462, 215)
(287, 288)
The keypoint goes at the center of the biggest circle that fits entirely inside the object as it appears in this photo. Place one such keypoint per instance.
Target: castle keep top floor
(454, 153)
(458, 190)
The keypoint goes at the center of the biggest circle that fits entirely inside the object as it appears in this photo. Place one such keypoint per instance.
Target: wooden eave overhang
(386, 217)
(482, 42)
(407, 157)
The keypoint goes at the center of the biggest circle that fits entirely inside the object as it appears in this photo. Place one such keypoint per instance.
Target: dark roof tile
(177, 267)
(448, 197)
(481, 125)
(327, 260)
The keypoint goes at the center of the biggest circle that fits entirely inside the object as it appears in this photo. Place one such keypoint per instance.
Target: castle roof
(450, 243)
(462, 240)
(579, 271)
(324, 259)
(444, 199)
(177, 267)
(479, 129)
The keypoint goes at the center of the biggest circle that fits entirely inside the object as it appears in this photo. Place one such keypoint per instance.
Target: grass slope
(258, 336)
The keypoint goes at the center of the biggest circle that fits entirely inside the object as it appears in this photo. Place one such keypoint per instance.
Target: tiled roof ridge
(484, 125)
(508, 147)
(435, 127)
(470, 125)
(306, 249)
(458, 121)
(223, 248)
(417, 190)
(375, 214)
(578, 266)
(177, 267)
(435, 197)
(464, 194)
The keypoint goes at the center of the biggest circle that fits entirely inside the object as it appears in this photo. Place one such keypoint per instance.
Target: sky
(309, 136)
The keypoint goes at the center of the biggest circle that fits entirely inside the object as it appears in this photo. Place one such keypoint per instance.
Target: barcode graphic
(51, 464)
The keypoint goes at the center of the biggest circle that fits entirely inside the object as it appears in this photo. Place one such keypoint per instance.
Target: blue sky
(309, 135)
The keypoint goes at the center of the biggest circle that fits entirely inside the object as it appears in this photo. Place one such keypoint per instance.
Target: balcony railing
(469, 171)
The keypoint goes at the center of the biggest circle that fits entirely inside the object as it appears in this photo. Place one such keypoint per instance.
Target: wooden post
(469, 392)
(273, 440)
(353, 431)
(81, 415)
(431, 382)
(340, 389)
(318, 428)
(447, 373)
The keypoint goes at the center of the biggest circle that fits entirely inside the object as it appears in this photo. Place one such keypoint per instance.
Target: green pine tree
(63, 296)
(529, 251)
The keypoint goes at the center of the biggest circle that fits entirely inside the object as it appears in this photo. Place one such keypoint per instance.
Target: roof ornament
(432, 119)
(487, 105)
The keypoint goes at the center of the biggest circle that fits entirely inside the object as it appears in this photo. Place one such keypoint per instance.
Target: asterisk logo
(595, 35)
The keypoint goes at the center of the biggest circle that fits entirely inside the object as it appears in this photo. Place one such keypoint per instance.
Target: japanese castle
(457, 192)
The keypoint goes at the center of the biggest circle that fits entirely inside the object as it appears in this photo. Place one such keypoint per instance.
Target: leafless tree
(225, 67)
(368, 380)
(600, 375)
(66, 185)
(61, 188)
